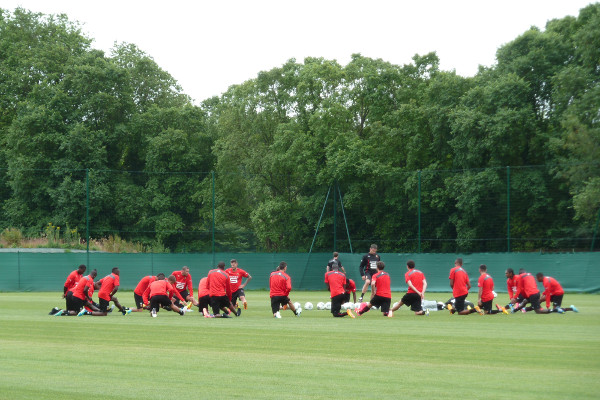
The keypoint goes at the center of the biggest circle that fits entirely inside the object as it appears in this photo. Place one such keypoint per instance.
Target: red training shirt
(336, 281)
(235, 278)
(143, 285)
(486, 283)
(218, 283)
(383, 284)
(511, 287)
(183, 282)
(160, 288)
(351, 287)
(280, 284)
(79, 289)
(551, 288)
(461, 281)
(529, 284)
(72, 280)
(203, 288)
(415, 277)
(108, 284)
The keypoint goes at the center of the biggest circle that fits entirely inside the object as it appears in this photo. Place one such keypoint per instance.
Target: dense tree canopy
(398, 142)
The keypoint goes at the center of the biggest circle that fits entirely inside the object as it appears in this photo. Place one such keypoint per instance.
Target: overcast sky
(209, 45)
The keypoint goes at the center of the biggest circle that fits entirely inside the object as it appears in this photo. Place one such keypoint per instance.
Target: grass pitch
(443, 356)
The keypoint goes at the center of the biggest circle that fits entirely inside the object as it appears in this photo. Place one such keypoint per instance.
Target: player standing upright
(336, 281)
(280, 286)
(335, 262)
(381, 287)
(553, 292)
(368, 268)
(417, 285)
(184, 285)
(460, 284)
(236, 276)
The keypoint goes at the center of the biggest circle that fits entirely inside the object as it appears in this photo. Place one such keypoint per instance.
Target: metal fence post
(87, 215)
(334, 216)
(595, 232)
(419, 209)
(213, 217)
(508, 209)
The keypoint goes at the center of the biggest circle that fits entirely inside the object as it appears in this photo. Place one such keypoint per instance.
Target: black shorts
(203, 302)
(159, 300)
(139, 300)
(103, 305)
(277, 301)
(68, 298)
(74, 303)
(237, 294)
(382, 302)
(413, 300)
(556, 300)
(459, 302)
(369, 273)
(534, 299)
(346, 298)
(218, 302)
(336, 303)
(487, 306)
(184, 294)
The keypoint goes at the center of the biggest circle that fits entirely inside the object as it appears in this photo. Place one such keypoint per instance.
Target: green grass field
(519, 356)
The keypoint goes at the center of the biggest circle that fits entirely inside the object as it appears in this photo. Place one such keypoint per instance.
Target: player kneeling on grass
(531, 294)
(160, 294)
(280, 286)
(485, 297)
(138, 292)
(382, 292)
(336, 281)
(553, 292)
(417, 285)
(78, 297)
(219, 290)
(109, 285)
(204, 298)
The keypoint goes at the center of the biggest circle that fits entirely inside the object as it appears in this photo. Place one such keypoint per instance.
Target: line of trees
(278, 141)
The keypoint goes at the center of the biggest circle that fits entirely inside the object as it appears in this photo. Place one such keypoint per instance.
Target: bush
(12, 237)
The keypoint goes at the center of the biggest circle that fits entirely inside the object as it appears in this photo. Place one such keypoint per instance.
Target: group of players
(522, 290)
(220, 290)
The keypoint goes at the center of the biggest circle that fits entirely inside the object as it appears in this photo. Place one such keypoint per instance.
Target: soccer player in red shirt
(184, 286)
(204, 297)
(79, 296)
(138, 292)
(160, 294)
(219, 289)
(485, 296)
(528, 288)
(382, 292)
(553, 292)
(280, 286)
(417, 285)
(460, 284)
(350, 287)
(336, 281)
(236, 276)
(73, 278)
(109, 285)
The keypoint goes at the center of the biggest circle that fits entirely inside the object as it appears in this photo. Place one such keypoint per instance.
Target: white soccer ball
(328, 305)
(347, 306)
(357, 306)
(297, 305)
(308, 305)
(320, 305)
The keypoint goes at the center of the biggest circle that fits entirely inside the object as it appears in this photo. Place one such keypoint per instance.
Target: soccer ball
(308, 305)
(328, 305)
(320, 305)
(347, 306)
(297, 305)
(357, 306)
